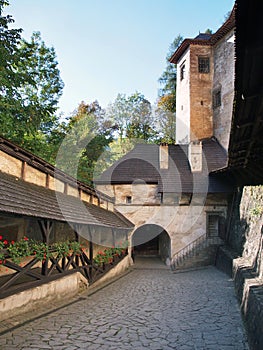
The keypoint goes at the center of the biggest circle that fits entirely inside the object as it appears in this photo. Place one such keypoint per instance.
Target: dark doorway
(151, 240)
(149, 248)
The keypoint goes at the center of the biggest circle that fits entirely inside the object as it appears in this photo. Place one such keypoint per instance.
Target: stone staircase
(201, 252)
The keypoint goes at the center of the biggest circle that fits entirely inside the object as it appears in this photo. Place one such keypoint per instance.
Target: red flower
(25, 239)
(1, 237)
(5, 242)
(12, 242)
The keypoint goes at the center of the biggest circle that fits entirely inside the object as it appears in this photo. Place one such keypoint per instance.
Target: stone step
(202, 257)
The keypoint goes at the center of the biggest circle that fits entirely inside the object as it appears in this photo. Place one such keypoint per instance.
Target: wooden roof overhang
(23, 199)
(246, 137)
(207, 41)
(40, 164)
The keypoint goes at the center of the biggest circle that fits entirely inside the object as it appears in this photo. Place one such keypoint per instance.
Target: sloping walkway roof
(18, 197)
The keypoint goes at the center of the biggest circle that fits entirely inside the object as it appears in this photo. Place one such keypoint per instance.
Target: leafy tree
(39, 99)
(132, 117)
(166, 125)
(10, 78)
(88, 135)
(30, 86)
(167, 100)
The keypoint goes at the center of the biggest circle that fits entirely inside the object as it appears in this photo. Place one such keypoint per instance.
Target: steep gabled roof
(205, 39)
(142, 164)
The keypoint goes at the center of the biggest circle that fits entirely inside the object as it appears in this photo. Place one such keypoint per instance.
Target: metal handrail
(191, 248)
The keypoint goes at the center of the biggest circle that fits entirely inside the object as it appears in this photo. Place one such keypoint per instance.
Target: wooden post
(77, 229)
(46, 228)
(113, 237)
(90, 253)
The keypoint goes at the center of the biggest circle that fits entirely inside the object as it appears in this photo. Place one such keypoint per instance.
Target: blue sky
(106, 47)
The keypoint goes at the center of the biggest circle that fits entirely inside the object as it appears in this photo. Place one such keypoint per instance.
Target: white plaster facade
(183, 99)
(183, 223)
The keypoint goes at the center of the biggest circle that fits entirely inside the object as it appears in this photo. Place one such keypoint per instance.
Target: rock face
(246, 263)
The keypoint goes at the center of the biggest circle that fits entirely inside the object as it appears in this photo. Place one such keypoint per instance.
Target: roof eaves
(218, 35)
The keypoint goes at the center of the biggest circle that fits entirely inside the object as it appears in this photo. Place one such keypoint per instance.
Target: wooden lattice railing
(35, 272)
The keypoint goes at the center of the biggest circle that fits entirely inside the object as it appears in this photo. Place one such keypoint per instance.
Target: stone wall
(243, 259)
(201, 122)
(223, 81)
(184, 224)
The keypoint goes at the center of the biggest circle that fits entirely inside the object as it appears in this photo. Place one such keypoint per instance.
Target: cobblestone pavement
(146, 309)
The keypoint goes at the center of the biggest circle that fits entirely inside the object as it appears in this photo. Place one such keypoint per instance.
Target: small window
(203, 64)
(182, 72)
(212, 225)
(217, 98)
(128, 199)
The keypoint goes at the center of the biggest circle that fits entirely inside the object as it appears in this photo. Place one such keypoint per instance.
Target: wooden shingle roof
(142, 164)
(21, 198)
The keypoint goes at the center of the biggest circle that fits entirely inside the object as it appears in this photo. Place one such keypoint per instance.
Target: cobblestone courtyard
(150, 308)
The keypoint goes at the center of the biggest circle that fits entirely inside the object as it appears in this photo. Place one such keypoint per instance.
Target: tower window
(128, 199)
(217, 98)
(203, 64)
(182, 71)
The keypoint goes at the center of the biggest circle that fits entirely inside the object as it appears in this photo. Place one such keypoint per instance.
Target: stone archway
(151, 240)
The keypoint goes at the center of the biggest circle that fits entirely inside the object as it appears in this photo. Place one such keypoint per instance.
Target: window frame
(128, 199)
(182, 71)
(203, 64)
(217, 98)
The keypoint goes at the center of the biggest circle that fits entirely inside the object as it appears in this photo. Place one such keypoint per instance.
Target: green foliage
(62, 249)
(167, 125)
(10, 78)
(106, 256)
(40, 250)
(18, 250)
(168, 79)
(132, 117)
(29, 247)
(30, 86)
(257, 211)
(88, 135)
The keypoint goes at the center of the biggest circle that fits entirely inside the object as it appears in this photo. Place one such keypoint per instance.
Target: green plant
(18, 250)
(257, 211)
(75, 247)
(3, 244)
(40, 250)
(27, 247)
(61, 249)
(107, 255)
(100, 258)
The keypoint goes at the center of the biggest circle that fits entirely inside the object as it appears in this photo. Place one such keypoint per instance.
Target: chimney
(195, 155)
(163, 156)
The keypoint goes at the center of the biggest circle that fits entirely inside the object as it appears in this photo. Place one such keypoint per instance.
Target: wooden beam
(46, 228)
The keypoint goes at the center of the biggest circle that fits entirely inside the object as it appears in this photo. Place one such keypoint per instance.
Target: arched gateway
(151, 240)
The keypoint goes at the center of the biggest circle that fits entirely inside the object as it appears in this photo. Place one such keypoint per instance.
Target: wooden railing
(35, 272)
(192, 248)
